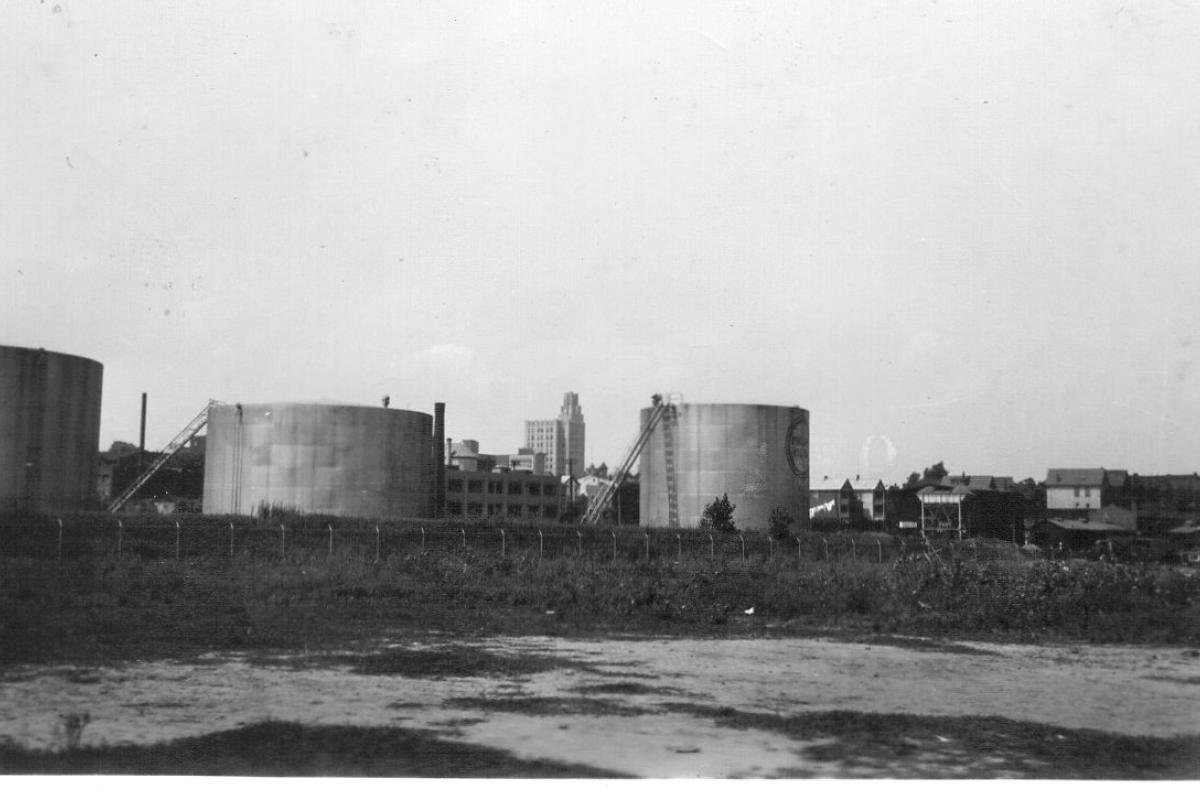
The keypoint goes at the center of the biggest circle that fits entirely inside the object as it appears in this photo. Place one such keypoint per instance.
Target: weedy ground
(102, 605)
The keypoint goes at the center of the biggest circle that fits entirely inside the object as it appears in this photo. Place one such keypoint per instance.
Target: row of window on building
(512, 494)
(456, 485)
(456, 508)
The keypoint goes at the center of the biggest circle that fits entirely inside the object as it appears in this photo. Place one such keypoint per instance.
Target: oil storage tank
(324, 459)
(757, 454)
(49, 430)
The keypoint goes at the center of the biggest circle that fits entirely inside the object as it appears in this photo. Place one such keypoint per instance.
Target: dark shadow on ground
(548, 706)
(620, 687)
(916, 643)
(927, 747)
(286, 749)
(442, 661)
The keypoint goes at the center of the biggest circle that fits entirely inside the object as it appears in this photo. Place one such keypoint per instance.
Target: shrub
(778, 527)
(718, 516)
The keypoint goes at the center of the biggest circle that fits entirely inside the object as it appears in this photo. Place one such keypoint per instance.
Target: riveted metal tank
(355, 461)
(49, 430)
(757, 454)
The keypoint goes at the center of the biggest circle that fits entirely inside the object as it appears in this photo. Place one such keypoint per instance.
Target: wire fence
(157, 538)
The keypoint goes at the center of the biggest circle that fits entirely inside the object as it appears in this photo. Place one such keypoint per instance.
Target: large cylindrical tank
(756, 454)
(49, 430)
(323, 459)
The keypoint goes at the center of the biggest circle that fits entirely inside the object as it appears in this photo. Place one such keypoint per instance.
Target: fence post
(176, 540)
(282, 541)
(422, 539)
(503, 544)
(60, 538)
(330, 526)
(464, 537)
(879, 545)
(541, 544)
(120, 536)
(378, 539)
(647, 535)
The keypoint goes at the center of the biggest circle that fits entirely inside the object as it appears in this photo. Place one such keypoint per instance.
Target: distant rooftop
(1060, 476)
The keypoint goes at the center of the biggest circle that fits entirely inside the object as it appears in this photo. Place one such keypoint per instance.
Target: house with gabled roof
(825, 499)
(870, 497)
(1083, 490)
(1004, 483)
(985, 483)
(848, 500)
(1166, 501)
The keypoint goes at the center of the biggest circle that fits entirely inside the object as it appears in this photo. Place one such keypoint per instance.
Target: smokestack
(439, 460)
(142, 436)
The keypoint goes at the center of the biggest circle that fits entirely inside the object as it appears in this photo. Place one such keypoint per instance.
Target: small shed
(1076, 534)
(1185, 540)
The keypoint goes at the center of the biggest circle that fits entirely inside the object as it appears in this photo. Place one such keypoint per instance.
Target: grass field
(123, 592)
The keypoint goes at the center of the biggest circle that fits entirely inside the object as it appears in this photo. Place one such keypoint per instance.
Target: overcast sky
(954, 232)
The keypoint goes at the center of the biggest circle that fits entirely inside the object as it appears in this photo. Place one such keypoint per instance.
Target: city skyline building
(561, 439)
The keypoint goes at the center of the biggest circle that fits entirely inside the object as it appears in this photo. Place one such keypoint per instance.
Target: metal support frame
(183, 437)
(658, 411)
(942, 516)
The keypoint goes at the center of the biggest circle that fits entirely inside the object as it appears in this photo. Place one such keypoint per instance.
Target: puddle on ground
(1100, 688)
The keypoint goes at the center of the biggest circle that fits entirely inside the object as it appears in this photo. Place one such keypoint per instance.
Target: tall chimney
(142, 436)
(439, 460)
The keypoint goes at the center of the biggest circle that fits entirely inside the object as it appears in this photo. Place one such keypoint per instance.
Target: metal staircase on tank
(183, 437)
(660, 411)
(670, 417)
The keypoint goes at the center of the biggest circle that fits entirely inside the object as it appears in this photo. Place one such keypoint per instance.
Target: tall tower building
(570, 420)
(560, 439)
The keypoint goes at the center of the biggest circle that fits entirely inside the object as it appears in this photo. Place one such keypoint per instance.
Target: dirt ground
(628, 705)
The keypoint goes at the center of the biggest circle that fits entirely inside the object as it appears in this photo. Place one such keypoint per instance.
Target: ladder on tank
(183, 437)
(670, 415)
(659, 412)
